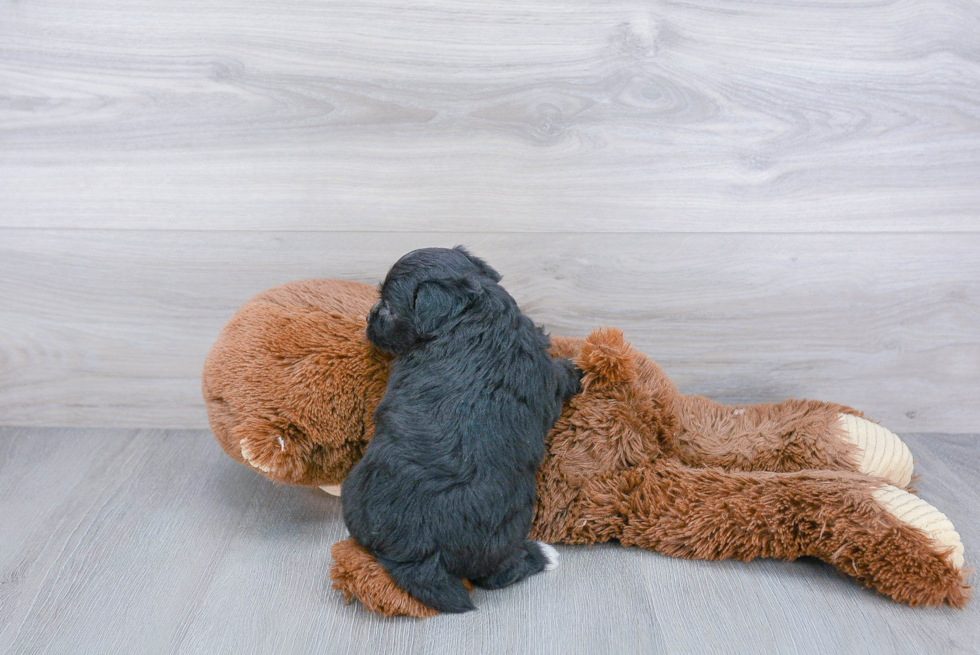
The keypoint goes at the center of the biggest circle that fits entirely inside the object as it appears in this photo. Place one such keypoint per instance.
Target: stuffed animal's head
(292, 382)
(423, 294)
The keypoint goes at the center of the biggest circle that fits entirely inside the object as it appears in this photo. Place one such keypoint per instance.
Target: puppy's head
(422, 294)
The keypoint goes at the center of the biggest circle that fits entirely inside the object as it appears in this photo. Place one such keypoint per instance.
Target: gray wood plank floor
(153, 541)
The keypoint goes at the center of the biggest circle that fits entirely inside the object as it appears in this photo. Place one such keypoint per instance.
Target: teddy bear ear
(605, 360)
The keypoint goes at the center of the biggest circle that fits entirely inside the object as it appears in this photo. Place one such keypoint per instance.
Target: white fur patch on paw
(550, 556)
(916, 512)
(880, 452)
(332, 489)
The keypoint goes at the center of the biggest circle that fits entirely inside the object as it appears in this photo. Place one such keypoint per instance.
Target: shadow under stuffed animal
(291, 385)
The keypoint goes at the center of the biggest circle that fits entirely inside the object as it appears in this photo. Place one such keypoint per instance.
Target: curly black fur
(445, 489)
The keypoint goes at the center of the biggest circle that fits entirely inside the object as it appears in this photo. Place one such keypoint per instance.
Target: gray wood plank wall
(772, 199)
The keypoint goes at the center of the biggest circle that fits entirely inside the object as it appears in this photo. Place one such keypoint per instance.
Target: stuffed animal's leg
(794, 435)
(886, 538)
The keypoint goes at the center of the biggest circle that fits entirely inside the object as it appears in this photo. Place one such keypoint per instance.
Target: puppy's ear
(436, 302)
(483, 267)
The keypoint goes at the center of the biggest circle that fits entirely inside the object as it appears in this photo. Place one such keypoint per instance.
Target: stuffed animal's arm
(794, 435)
(886, 538)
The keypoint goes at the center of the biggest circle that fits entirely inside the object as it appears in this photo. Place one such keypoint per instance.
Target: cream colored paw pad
(916, 512)
(880, 452)
(332, 489)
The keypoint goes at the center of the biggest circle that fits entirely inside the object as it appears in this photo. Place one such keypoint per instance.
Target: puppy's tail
(428, 582)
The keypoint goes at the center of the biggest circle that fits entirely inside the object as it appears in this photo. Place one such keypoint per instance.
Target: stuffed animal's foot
(919, 514)
(332, 489)
(914, 554)
(880, 452)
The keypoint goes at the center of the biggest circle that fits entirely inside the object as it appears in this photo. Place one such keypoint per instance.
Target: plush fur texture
(294, 363)
(445, 489)
(629, 458)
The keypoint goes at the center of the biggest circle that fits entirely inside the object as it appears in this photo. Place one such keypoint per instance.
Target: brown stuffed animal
(292, 382)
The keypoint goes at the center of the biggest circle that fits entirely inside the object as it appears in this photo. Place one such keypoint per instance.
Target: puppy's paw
(569, 378)
(880, 452)
(551, 558)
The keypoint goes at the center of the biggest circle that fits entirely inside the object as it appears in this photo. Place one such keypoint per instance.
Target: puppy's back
(459, 434)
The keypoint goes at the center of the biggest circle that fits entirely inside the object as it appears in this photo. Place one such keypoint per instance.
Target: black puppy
(445, 489)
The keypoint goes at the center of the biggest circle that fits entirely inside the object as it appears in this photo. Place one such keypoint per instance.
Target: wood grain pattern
(520, 115)
(130, 541)
(112, 327)
(772, 199)
(626, 162)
